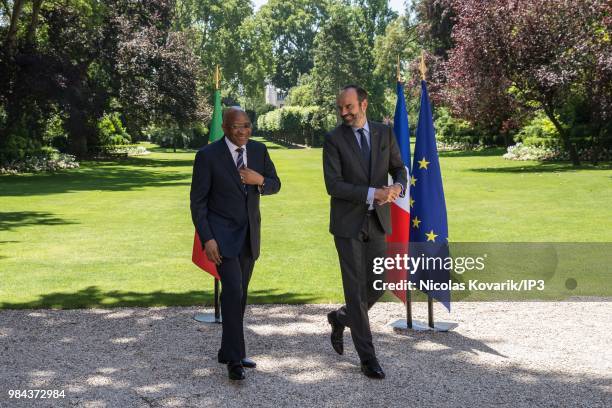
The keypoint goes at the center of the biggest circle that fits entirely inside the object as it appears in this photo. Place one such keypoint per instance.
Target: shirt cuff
(370, 198)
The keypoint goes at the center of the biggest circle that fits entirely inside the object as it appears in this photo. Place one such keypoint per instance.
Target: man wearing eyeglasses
(229, 176)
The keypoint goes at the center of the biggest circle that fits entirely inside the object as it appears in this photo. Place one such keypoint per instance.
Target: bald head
(233, 112)
(236, 126)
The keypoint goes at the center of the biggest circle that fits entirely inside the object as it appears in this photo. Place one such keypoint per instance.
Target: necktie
(240, 163)
(365, 148)
(240, 160)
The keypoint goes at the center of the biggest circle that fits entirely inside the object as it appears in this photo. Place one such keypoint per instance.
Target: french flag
(397, 242)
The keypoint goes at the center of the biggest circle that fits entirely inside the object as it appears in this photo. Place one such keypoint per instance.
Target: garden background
(102, 105)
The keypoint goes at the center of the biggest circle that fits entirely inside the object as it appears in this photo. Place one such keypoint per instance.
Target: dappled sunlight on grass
(124, 228)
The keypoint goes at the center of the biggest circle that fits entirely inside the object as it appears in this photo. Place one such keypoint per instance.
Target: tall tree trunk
(12, 30)
(565, 138)
(77, 133)
(33, 22)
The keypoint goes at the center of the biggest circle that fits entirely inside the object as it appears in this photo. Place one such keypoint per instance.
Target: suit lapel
(229, 162)
(375, 148)
(352, 141)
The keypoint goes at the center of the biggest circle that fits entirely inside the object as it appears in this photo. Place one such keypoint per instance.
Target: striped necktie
(240, 163)
(240, 160)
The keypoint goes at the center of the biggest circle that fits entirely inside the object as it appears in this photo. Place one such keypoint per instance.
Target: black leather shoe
(235, 371)
(372, 369)
(337, 333)
(246, 362)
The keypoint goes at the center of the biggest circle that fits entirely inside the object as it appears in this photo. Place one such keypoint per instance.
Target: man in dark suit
(229, 175)
(358, 157)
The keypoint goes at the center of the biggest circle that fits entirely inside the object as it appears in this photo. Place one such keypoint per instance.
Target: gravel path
(502, 354)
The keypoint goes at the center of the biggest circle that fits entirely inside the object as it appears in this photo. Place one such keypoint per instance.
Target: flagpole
(422, 66)
(408, 295)
(206, 317)
(216, 301)
(399, 76)
(430, 314)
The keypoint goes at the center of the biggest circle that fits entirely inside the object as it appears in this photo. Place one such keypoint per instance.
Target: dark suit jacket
(219, 207)
(347, 181)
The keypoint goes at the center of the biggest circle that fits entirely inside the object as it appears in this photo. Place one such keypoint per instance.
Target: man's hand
(387, 194)
(249, 176)
(396, 191)
(212, 251)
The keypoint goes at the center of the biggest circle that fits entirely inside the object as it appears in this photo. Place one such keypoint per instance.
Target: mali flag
(397, 242)
(428, 227)
(198, 255)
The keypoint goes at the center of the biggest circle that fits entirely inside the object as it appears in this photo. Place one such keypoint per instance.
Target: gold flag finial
(217, 77)
(422, 66)
(399, 75)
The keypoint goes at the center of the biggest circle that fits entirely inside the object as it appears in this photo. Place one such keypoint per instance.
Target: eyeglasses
(245, 126)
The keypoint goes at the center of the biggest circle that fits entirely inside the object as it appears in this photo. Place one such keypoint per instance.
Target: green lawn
(112, 234)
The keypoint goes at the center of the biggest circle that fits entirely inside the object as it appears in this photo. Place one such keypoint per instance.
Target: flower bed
(523, 152)
(36, 164)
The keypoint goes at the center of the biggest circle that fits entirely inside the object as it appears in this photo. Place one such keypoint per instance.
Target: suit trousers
(356, 264)
(235, 275)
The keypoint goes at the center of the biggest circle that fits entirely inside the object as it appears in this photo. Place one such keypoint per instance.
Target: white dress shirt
(371, 190)
(232, 148)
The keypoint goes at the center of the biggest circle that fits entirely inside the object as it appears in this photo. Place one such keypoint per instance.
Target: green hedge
(301, 125)
(539, 132)
(450, 130)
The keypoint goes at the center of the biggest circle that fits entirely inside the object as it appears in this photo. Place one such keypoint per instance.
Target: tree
(397, 41)
(341, 57)
(434, 25)
(291, 27)
(92, 58)
(541, 51)
(303, 94)
(214, 27)
(375, 16)
(158, 77)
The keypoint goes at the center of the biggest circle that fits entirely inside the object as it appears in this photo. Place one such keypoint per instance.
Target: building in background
(274, 97)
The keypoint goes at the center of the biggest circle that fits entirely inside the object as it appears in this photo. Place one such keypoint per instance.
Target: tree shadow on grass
(10, 221)
(92, 296)
(166, 158)
(159, 162)
(91, 178)
(544, 167)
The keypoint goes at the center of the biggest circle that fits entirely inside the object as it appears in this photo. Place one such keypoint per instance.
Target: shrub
(301, 125)
(199, 136)
(453, 131)
(19, 145)
(111, 130)
(539, 132)
(193, 137)
(131, 150)
(47, 159)
(263, 109)
(524, 152)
